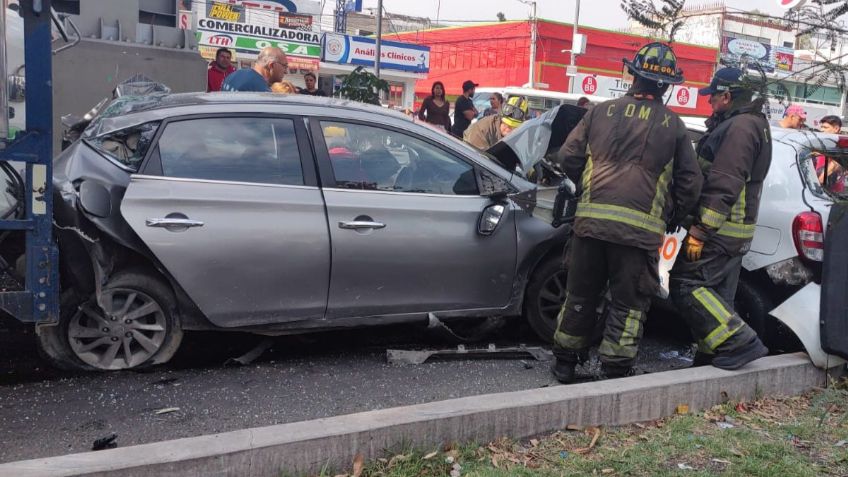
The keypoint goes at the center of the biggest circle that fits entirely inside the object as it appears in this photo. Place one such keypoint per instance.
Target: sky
(605, 14)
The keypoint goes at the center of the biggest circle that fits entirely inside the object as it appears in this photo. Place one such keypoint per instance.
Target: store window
(396, 94)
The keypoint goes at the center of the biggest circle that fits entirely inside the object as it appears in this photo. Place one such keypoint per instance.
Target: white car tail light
(808, 233)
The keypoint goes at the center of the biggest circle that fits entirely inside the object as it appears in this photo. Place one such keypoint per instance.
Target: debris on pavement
(251, 355)
(107, 442)
(402, 356)
(166, 410)
(682, 466)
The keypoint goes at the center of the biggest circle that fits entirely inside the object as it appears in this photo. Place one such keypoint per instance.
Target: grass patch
(798, 436)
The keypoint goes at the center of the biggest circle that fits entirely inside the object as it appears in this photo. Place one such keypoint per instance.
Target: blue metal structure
(39, 301)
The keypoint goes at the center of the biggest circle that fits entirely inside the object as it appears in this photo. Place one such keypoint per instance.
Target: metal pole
(379, 37)
(533, 38)
(4, 77)
(573, 45)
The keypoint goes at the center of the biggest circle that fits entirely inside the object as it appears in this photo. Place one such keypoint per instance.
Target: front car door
(403, 215)
(231, 208)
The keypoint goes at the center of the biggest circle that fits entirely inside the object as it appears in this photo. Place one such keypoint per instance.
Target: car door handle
(361, 225)
(173, 222)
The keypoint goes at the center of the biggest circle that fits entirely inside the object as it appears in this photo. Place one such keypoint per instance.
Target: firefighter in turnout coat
(735, 156)
(636, 173)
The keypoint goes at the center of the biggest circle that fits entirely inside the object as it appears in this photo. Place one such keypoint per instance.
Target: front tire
(545, 296)
(136, 327)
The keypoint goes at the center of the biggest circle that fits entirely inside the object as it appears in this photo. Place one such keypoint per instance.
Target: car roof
(542, 93)
(806, 138)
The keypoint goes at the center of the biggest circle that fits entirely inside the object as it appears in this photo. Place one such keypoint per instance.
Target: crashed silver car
(282, 215)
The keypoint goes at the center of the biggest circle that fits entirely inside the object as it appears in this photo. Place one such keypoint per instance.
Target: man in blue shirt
(270, 67)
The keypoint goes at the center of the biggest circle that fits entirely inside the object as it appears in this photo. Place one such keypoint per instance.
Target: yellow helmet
(334, 131)
(514, 112)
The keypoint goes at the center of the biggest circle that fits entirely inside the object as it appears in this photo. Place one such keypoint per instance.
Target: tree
(363, 86)
(501, 17)
(664, 20)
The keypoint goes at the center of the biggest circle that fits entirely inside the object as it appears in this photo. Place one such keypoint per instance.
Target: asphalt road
(44, 412)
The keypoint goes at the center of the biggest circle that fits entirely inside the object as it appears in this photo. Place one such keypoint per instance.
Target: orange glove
(694, 247)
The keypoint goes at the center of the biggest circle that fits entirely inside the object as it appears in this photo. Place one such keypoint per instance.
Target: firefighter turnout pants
(633, 280)
(702, 292)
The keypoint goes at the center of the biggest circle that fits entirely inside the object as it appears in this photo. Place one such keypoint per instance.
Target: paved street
(44, 412)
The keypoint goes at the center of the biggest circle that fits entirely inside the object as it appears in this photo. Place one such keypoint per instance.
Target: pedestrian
(311, 85)
(831, 175)
(464, 111)
(735, 155)
(487, 131)
(435, 109)
(640, 176)
(495, 103)
(270, 67)
(830, 124)
(793, 118)
(583, 102)
(219, 69)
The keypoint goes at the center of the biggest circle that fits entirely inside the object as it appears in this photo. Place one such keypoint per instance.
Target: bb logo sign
(790, 4)
(221, 40)
(683, 96)
(590, 85)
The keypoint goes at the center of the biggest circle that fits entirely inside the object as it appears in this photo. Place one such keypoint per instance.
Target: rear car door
(403, 214)
(231, 208)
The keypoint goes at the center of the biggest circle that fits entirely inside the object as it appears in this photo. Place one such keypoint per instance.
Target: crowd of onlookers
(267, 74)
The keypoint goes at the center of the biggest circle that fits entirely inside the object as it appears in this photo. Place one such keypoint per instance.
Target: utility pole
(4, 87)
(379, 37)
(534, 34)
(341, 17)
(573, 62)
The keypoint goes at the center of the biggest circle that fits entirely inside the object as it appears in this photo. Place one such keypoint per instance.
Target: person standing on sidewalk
(636, 173)
(735, 156)
(219, 69)
(435, 109)
(464, 111)
(270, 67)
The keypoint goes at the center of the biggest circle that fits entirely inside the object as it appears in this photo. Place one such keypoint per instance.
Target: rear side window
(258, 150)
(127, 146)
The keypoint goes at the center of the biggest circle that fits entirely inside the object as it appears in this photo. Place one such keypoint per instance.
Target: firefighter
(735, 155)
(487, 131)
(636, 173)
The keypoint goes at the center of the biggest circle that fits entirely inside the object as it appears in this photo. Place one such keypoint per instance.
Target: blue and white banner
(356, 50)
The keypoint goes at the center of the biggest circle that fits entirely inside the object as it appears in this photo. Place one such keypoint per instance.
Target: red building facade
(498, 55)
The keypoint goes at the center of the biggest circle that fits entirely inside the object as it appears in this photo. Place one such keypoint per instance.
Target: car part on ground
(402, 356)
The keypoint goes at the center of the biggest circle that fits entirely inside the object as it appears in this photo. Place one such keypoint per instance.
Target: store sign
(255, 44)
(295, 21)
(354, 50)
(184, 20)
(677, 96)
(284, 34)
(784, 58)
(224, 11)
(734, 49)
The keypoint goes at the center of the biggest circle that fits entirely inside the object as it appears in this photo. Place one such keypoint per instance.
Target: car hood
(532, 141)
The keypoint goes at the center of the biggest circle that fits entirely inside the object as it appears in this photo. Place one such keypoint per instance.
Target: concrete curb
(306, 447)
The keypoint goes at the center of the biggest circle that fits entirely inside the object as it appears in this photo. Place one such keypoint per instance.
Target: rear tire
(138, 328)
(545, 296)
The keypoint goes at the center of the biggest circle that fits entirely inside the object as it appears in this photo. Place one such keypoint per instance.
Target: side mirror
(490, 219)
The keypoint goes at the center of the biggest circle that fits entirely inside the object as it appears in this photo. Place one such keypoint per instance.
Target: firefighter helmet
(656, 62)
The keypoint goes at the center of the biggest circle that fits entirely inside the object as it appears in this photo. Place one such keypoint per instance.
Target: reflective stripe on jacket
(635, 168)
(735, 155)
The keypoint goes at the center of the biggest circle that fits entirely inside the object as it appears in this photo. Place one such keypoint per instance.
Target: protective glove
(694, 247)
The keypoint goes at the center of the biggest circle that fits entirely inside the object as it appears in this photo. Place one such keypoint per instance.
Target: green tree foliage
(363, 86)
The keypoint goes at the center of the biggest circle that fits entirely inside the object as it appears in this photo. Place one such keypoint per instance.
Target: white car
(781, 275)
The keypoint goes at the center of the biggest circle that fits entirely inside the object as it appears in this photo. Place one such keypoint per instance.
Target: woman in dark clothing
(436, 109)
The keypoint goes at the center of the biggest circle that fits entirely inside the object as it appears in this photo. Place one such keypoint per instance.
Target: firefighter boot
(741, 356)
(566, 361)
(612, 371)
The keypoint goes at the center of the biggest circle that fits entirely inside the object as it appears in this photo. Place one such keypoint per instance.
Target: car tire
(753, 306)
(139, 329)
(545, 296)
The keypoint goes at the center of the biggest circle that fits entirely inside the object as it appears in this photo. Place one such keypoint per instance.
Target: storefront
(498, 55)
(248, 27)
(401, 64)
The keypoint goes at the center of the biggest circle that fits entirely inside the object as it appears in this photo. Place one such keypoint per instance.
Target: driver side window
(373, 158)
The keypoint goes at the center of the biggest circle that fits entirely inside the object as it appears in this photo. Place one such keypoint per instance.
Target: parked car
(281, 215)
(539, 100)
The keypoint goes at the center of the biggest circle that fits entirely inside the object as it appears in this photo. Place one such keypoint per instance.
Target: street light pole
(379, 37)
(573, 62)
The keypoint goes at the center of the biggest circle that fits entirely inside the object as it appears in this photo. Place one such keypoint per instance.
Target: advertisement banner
(184, 20)
(280, 34)
(680, 96)
(261, 12)
(247, 44)
(784, 58)
(355, 50)
(733, 49)
(294, 21)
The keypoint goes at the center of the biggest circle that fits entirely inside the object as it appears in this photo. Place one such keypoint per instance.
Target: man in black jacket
(636, 172)
(735, 156)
